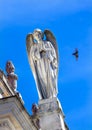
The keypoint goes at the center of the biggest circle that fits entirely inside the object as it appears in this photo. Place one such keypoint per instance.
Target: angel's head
(37, 34)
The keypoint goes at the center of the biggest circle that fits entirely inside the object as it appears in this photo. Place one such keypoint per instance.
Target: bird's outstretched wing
(29, 44)
(76, 54)
(50, 37)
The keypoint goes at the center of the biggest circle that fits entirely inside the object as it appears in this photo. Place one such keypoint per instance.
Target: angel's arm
(46, 46)
(50, 37)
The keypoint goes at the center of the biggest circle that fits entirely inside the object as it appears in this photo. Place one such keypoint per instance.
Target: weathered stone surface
(50, 115)
(13, 115)
(49, 105)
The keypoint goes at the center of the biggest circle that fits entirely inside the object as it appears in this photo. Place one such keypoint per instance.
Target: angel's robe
(45, 64)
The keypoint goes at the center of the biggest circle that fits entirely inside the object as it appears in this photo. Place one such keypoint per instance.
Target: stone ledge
(49, 106)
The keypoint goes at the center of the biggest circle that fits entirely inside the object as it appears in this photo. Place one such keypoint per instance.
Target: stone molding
(6, 123)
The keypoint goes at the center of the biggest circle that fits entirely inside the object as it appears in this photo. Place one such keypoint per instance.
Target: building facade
(47, 115)
(13, 115)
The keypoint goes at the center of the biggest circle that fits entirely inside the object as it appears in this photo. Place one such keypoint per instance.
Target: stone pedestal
(50, 115)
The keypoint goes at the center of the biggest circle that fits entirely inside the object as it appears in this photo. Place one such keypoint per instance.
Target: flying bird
(76, 54)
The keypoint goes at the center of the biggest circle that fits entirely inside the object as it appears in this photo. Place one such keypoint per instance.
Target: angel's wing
(50, 37)
(29, 44)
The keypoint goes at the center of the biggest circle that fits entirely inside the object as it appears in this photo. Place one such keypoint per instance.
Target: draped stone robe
(45, 66)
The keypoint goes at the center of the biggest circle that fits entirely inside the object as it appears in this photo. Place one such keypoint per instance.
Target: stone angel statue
(43, 58)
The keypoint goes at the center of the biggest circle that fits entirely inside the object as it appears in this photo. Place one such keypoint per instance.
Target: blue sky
(71, 23)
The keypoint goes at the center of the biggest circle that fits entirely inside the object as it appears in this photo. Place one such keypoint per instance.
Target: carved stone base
(50, 115)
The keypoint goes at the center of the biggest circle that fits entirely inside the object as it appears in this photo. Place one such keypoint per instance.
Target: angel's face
(37, 35)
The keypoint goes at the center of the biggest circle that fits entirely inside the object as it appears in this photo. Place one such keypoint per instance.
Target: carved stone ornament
(5, 125)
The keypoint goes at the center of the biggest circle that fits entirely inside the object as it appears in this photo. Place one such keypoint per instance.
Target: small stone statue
(43, 59)
(11, 77)
(36, 120)
(34, 109)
